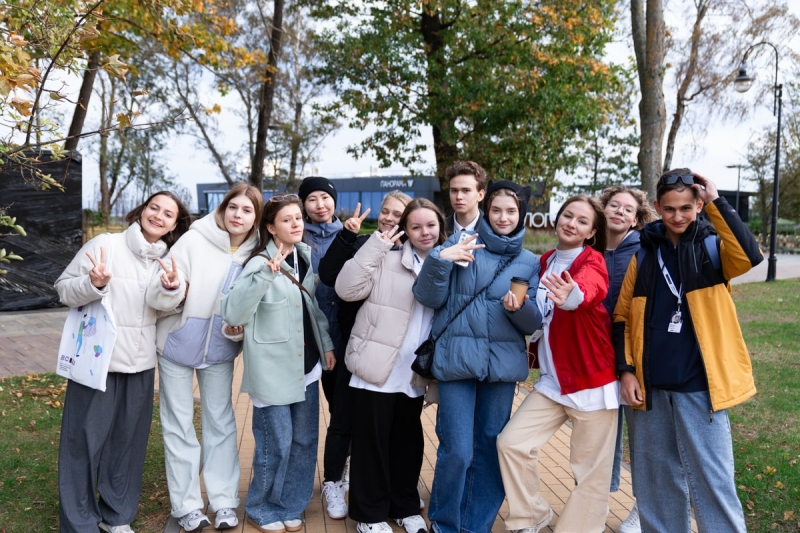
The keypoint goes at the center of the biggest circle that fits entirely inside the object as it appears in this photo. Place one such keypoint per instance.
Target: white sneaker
(413, 524)
(226, 519)
(333, 492)
(379, 527)
(272, 527)
(631, 524)
(293, 525)
(420, 486)
(194, 521)
(346, 475)
(538, 527)
(116, 529)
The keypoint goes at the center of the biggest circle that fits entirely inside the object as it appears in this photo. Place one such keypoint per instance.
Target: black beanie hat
(316, 183)
(522, 193)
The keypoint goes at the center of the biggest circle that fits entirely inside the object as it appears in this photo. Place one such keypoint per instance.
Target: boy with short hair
(682, 359)
(467, 185)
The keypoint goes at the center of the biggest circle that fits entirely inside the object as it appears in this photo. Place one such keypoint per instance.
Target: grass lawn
(30, 424)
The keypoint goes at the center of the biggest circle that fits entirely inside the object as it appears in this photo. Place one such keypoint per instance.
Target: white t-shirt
(598, 398)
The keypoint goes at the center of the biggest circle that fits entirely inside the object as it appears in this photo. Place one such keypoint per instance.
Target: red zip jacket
(580, 340)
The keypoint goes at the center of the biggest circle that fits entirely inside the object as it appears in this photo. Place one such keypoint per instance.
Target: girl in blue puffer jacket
(479, 357)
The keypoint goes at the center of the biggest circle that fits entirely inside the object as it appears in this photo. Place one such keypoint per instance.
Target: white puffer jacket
(203, 256)
(385, 278)
(132, 263)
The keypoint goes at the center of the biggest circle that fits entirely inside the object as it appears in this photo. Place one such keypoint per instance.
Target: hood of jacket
(135, 240)
(499, 244)
(218, 237)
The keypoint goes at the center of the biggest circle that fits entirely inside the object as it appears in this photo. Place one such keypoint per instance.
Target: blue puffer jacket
(617, 262)
(319, 237)
(485, 342)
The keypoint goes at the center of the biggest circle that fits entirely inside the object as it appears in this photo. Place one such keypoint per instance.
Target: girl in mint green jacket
(286, 347)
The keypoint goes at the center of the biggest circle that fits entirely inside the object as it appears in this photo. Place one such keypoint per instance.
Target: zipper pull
(710, 416)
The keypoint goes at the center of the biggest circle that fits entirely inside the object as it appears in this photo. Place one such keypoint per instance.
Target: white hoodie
(194, 336)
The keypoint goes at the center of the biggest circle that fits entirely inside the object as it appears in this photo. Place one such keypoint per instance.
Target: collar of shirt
(469, 227)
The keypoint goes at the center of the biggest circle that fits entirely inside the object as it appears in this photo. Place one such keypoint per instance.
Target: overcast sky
(723, 145)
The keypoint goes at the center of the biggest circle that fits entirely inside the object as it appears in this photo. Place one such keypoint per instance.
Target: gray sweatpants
(103, 445)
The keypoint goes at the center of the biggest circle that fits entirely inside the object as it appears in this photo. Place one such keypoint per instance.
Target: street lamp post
(742, 84)
(738, 182)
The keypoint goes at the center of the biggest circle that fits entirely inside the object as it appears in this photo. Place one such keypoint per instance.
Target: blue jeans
(683, 454)
(467, 487)
(615, 469)
(285, 459)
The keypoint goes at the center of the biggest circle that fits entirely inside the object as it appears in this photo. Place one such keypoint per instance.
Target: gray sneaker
(194, 521)
(226, 519)
(115, 529)
(631, 524)
(538, 527)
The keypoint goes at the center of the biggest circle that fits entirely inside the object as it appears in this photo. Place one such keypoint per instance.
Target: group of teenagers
(628, 314)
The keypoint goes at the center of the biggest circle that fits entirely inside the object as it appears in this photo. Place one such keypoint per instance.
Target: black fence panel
(53, 222)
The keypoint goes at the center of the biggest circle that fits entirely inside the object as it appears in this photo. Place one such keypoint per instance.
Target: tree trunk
(683, 89)
(650, 66)
(444, 147)
(79, 116)
(266, 97)
(298, 113)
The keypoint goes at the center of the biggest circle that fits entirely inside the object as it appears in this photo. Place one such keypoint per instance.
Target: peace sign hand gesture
(354, 222)
(558, 287)
(389, 236)
(98, 275)
(462, 250)
(170, 279)
(275, 264)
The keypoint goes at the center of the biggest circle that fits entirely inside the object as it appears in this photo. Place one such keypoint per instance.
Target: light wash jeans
(684, 455)
(285, 459)
(467, 487)
(184, 455)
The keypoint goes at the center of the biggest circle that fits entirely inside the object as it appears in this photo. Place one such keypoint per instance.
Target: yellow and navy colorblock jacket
(724, 354)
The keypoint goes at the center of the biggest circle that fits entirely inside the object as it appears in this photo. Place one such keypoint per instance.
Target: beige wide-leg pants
(591, 457)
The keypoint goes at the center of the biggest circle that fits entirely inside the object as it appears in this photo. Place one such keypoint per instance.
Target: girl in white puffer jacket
(104, 434)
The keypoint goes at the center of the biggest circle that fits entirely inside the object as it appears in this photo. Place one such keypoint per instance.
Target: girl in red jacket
(578, 381)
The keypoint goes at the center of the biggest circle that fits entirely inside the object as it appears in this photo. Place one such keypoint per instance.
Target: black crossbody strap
(497, 273)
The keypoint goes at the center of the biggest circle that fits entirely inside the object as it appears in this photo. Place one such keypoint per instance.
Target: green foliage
(510, 84)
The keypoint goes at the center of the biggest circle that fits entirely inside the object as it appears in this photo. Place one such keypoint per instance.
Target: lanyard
(677, 292)
(295, 266)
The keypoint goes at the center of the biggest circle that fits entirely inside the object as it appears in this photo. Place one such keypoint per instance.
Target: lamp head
(743, 81)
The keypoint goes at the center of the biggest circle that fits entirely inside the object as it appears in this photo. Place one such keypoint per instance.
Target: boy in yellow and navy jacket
(681, 357)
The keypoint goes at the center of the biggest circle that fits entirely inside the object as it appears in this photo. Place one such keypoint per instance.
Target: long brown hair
(183, 218)
(252, 194)
(598, 224)
(271, 210)
(423, 203)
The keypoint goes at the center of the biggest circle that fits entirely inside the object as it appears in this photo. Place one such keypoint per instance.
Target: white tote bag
(87, 342)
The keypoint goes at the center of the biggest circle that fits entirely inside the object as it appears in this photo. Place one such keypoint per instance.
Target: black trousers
(103, 443)
(386, 458)
(337, 438)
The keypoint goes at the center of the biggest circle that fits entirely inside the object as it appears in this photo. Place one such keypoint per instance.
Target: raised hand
(391, 235)
(275, 264)
(462, 251)
(354, 222)
(558, 287)
(170, 279)
(706, 189)
(98, 275)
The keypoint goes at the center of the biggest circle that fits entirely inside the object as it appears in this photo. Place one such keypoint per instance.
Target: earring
(594, 240)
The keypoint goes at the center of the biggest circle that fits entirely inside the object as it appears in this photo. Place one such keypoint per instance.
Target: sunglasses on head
(282, 197)
(672, 179)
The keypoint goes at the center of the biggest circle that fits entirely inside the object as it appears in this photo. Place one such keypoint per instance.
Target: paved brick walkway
(29, 341)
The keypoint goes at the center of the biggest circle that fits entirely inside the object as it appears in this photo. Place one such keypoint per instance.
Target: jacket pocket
(221, 349)
(186, 345)
(271, 323)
